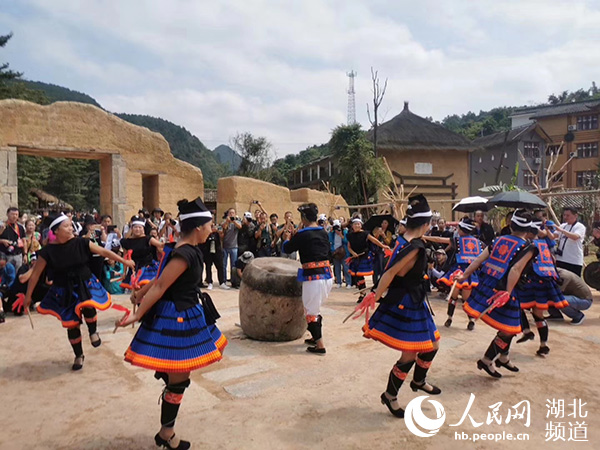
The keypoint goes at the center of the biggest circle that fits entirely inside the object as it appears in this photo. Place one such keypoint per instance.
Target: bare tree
(378, 94)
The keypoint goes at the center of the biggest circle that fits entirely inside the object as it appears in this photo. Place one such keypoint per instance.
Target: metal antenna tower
(351, 99)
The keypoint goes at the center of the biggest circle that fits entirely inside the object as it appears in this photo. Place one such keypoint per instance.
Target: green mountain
(60, 94)
(184, 146)
(229, 157)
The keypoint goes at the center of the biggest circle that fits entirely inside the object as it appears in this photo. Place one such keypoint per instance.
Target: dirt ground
(266, 395)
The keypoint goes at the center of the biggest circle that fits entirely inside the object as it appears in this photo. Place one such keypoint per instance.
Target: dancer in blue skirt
(541, 290)
(465, 248)
(502, 267)
(403, 320)
(75, 291)
(177, 334)
(140, 248)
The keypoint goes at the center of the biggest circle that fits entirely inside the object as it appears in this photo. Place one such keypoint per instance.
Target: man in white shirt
(569, 249)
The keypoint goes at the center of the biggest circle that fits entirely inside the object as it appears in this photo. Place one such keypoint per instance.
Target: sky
(278, 69)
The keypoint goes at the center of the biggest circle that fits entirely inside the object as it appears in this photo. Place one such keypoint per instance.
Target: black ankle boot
(483, 366)
(183, 445)
(95, 343)
(527, 336)
(507, 365)
(76, 365)
(387, 402)
(416, 386)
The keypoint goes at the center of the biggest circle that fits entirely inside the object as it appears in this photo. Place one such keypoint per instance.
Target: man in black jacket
(484, 230)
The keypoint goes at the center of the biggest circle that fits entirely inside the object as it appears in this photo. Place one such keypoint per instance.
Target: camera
(255, 202)
(173, 222)
(336, 228)
(111, 228)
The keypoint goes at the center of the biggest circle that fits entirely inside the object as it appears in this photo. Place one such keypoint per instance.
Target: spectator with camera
(110, 234)
(246, 239)
(230, 229)
(212, 251)
(168, 229)
(569, 250)
(263, 237)
(12, 238)
(290, 227)
(275, 242)
(338, 240)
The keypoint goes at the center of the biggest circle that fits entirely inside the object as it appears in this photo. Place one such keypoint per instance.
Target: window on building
(557, 177)
(587, 122)
(587, 150)
(587, 178)
(531, 149)
(554, 150)
(528, 179)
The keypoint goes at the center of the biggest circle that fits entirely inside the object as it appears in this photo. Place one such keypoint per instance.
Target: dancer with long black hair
(503, 265)
(177, 334)
(140, 248)
(403, 320)
(75, 291)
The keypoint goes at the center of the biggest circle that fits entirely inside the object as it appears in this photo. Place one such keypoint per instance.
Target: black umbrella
(518, 199)
(375, 221)
(472, 204)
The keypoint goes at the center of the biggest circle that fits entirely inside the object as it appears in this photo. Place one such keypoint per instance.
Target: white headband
(466, 226)
(183, 217)
(520, 221)
(537, 225)
(138, 222)
(357, 220)
(58, 220)
(421, 214)
(403, 222)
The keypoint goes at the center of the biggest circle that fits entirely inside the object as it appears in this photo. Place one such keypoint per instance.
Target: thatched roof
(510, 136)
(49, 198)
(407, 131)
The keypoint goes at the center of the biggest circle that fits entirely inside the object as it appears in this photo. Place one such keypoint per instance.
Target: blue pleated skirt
(175, 341)
(403, 325)
(361, 266)
(55, 302)
(142, 277)
(542, 293)
(506, 319)
(469, 283)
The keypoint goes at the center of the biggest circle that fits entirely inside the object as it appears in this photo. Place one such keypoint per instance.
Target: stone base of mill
(271, 300)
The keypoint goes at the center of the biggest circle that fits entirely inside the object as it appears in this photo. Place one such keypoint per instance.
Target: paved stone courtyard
(267, 395)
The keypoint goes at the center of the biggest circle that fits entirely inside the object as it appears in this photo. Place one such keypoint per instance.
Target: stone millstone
(271, 300)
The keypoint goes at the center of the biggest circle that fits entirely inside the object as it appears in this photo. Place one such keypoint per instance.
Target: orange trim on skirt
(424, 346)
